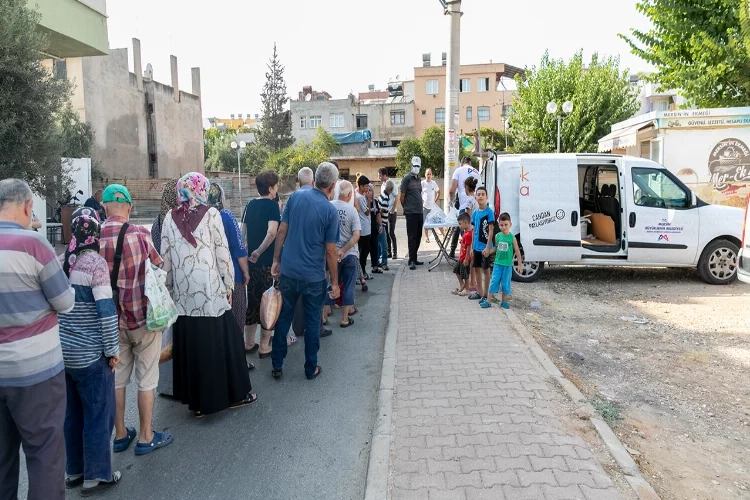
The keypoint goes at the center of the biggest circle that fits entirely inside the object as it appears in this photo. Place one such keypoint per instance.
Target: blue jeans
(89, 420)
(313, 294)
(347, 276)
(383, 247)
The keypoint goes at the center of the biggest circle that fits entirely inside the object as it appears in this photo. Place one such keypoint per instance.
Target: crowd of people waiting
(73, 326)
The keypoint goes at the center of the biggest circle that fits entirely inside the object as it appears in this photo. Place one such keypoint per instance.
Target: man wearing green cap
(139, 348)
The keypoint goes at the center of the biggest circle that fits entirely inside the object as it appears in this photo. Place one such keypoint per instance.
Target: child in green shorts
(505, 246)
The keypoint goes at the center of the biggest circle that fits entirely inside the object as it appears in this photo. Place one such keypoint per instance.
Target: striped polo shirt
(33, 289)
(90, 329)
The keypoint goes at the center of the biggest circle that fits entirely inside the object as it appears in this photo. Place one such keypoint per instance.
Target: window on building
(337, 120)
(465, 84)
(507, 108)
(432, 86)
(483, 85)
(424, 112)
(662, 106)
(469, 114)
(303, 122)
(60, 69)
(320, 98)
(361, 121)
(440, 115)
(316, 121)
(483, 112)
(398, 117)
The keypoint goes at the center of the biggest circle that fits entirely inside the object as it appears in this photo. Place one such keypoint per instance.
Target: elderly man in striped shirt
(33, 290)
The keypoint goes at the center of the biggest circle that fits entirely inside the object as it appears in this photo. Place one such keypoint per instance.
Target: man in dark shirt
(411, 200)
(308, 234)
(95, 203)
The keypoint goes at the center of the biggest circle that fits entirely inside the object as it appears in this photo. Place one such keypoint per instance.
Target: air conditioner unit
(445, 58)
(426, 60)
(371, 88)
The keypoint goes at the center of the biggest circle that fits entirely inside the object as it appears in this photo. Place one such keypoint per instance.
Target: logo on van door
(729, 164)
(664, 237)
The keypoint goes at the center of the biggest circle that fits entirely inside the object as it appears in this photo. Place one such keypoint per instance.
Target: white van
(743, 271)
(610, 210)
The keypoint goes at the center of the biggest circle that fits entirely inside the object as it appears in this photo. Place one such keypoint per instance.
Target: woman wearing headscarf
(88, 335)
(168, 202)
(238, 252)
(210, 370)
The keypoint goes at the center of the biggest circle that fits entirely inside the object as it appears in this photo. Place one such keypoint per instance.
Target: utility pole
(452, 77)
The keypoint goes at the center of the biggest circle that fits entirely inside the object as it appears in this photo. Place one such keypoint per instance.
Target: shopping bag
(167, 341)
(270, 307)
(161, 312)
(435, 217)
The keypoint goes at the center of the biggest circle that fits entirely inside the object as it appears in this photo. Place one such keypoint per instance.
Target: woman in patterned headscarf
(238, 252)
(210, 370)
(88, 336)
(168, 202)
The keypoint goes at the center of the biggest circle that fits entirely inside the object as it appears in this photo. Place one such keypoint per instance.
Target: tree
(601, 96)
(217, 150)
(276, 126)
(408, 148)
(291, 159)
(30, 145)
(77, 137)
(433, 145)
(697, 46)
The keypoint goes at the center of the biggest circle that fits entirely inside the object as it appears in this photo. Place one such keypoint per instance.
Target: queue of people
(70, 342)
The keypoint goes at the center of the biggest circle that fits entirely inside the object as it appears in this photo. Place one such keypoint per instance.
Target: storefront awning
(623, 138)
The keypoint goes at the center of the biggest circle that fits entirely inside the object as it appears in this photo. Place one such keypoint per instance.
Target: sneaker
(505, 305)
(419, 263)
(475, 296)
(484, 304)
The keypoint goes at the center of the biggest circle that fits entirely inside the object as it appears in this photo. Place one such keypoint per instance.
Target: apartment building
(482, 95)
(313, 109)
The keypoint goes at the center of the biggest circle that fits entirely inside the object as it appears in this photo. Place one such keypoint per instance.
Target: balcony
(76, 28)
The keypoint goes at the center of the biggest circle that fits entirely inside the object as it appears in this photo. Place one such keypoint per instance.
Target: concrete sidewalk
(474, 413)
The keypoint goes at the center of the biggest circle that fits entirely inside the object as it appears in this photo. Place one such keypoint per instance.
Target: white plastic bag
(436, 217)
(161, 312)
(452, 218)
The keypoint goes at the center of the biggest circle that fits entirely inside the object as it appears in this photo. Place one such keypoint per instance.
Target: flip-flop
(116, 476)
(161, 439)
(264, 354)
(123, 444)
(252, 349)
(250, 367)
(249, 399)
(318, 371)
(347, 325)
(353, 311)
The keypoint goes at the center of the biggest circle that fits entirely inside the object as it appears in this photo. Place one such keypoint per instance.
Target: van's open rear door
(549, 206)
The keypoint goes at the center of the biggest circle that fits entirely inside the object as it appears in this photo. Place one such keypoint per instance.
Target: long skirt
(210, 369)
(239, 304)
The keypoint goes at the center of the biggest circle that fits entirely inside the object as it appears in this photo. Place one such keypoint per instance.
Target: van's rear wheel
(718, 263)
(532, 271)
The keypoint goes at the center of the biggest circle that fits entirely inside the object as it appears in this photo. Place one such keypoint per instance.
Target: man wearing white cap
(411, 200)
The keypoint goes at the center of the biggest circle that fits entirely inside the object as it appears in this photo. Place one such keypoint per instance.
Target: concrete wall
(425, 104)
(117, 110)
(323, 109)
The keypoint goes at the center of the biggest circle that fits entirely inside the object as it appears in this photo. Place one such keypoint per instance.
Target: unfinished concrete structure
(143, 129)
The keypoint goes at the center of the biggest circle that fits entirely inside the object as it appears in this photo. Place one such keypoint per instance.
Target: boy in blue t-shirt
(483, 221)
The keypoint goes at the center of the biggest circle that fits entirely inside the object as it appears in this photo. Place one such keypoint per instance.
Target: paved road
(303, 439)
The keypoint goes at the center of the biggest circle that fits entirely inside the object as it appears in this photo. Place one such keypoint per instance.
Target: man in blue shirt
(308, 234)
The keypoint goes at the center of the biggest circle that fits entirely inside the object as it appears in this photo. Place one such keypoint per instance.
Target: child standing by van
(505, 246)
(483, 220)
(461, 270)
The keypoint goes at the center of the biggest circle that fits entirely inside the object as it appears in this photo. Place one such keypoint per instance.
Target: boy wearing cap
(139, 348)
(411, 200)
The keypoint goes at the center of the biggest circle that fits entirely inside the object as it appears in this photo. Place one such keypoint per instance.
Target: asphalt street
(303, 439)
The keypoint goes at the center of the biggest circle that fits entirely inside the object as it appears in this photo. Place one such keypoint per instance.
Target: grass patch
(607, 410)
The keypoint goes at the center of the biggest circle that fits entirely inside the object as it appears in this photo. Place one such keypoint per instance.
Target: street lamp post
(239, 147)
(567, 108)
(451, 8)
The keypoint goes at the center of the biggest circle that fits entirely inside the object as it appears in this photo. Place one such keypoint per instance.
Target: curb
(632, 473)
(376, 484)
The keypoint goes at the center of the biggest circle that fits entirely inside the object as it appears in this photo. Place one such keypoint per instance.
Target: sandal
(161, 439)
(252, 349)
(292, 339)
(318, 371)
(456, 291)
(116, 476)
(123, 444)
(377, 270)
(250, 367)
(249, 399)
(365, 288)
(353, 311)
(462, 293)
(276, 373)
(262, 355)
(348, 324)
(198, 414)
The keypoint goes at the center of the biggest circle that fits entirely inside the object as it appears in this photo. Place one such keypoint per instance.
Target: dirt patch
(668, 354)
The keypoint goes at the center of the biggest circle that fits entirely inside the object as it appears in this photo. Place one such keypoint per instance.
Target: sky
(343, 46)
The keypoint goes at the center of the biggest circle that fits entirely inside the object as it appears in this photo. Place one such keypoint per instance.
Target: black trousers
(414, 225)
(391, 236)
(374, 240)
(364, 250)
(454, 241)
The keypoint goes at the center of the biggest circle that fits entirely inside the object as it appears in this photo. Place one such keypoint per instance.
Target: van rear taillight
(744, 223)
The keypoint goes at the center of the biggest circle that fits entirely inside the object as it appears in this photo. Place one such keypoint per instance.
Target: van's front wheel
(718, 263)
(532, 271)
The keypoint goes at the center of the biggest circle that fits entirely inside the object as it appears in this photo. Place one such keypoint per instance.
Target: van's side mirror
(693, 200)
